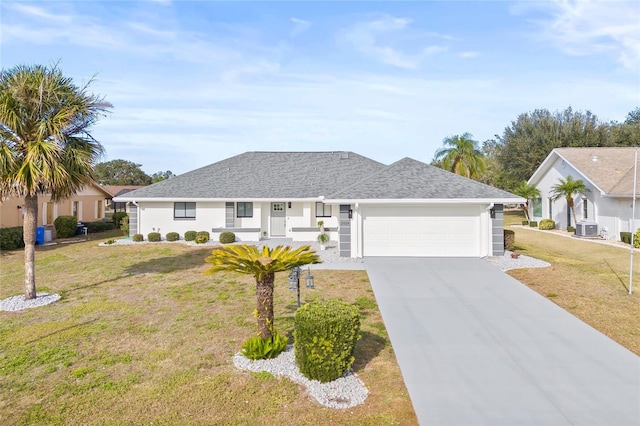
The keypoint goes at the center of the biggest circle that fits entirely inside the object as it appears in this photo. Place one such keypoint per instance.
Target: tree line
(123, 172)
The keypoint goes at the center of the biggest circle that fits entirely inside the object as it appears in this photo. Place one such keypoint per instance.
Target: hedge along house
(86, 205)
(607, 174)
(406, 209)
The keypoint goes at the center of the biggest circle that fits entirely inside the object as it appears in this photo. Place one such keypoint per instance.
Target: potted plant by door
(322, 239)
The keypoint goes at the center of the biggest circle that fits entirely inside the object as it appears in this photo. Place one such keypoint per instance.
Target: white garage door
(421, 231)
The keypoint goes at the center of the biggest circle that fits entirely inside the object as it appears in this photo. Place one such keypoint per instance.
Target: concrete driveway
(477, 347)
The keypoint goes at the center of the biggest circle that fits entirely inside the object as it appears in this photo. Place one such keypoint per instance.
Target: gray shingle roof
(412, 179)
(274, 175)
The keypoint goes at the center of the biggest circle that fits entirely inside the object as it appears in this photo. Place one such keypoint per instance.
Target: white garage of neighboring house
(408, 208)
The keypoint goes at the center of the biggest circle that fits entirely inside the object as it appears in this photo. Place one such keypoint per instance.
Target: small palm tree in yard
(45, 145)
(527, 191)
(566, 189)
(461, 155)
(263, 265)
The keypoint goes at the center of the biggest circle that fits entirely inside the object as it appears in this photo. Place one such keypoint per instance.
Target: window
(184, 210)
(75, 209)
(323, 210)
(537, 207)
(585, 208)
(245, 209)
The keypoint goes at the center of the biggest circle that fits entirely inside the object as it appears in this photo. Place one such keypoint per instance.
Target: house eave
(194, 199)
(427, 201)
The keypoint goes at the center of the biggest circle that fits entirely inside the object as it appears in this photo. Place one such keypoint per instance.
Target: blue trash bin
(40, 235)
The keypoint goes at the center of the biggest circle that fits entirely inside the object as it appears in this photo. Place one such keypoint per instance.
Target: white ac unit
(587, 229)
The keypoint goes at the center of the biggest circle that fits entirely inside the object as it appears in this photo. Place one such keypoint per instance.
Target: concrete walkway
(477, 347)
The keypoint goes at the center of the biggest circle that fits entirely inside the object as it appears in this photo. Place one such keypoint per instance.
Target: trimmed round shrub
(172, 236)
(190, 235)
(117, 218)
(137, 238)
(66, 226)
(154, 237)
(571, 229)
(202, 237)
(227, 237)
(11, 238)
(547, 224)
(636, 239)
(533, 224)
(625, 237)
(509, 239)
(325, 337)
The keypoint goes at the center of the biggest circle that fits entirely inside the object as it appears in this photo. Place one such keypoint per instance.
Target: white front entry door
(278, 220)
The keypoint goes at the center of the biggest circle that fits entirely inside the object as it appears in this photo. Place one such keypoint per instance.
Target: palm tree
(262, 264)
(566, 188)
(461, 155)
(527, 191)
(45, 146)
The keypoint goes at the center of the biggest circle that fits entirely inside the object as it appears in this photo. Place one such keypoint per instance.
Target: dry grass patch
(587, 279)
(142, 336)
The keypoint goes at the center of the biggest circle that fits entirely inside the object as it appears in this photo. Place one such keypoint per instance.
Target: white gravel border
(506, 262)
(345, 392)
(17, 303)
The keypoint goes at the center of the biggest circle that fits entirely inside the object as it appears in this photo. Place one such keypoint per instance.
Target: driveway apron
(477, 347)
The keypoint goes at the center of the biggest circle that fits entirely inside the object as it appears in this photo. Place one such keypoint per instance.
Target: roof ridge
(371, 176)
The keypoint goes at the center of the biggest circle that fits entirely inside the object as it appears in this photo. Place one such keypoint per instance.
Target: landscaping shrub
(137, 238)
(124, 225)
(525, 222)
(154, 237)
(571, 229)
(11, 238)
(636, 239)
(547, 224)
(625, 237)
(258, 348)
(325, 337)
(117, 218)
(190, 235)
(99, 226)
(509, 239)
(172, 236)
(66, 226)
(533, 224)
(202, 237)
(227, 237)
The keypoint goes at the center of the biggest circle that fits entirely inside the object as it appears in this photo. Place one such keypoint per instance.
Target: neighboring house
(116, 191)
(406, 209)
(86, 205)
(606, 172)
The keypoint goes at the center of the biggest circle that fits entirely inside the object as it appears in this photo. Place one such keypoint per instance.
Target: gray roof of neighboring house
(260, 175)
(412, 179)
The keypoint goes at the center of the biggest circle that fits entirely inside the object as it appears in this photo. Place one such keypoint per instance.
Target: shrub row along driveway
(476, 347)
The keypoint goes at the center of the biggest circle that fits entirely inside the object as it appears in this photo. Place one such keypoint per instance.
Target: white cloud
(390, 40)
(299, 26)
(592, 27)
(468, 55)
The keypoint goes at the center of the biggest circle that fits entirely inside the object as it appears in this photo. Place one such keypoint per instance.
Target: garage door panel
(421, 231)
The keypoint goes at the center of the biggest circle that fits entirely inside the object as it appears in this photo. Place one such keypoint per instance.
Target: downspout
(490, 230)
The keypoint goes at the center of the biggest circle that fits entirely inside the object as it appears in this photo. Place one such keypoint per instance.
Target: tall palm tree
(461, 155)
(45, 145)
(527, 191)
(566, 189)
(262, 264)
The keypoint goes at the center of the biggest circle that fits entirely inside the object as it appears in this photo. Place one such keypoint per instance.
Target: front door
(278, 220)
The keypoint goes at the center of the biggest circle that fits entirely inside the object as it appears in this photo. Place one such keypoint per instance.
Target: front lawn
(141, 336)
(587, 279)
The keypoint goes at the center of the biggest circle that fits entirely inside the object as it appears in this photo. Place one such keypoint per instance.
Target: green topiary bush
(258, 348)
(66, 226)
(99, 226)
(509, 239)
(202, 237)
(325, 336)
(525, 222)
(190, 235)
(227, 237)
(571, 229)
(172, 236)
(547, 224)
(11, 238)
(636, 239)
(137, 238)
(124, 226)
(533, 224)
(117, 218)
(154, 237)
(625, 237)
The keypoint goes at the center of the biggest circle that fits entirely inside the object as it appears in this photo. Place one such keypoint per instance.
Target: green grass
(141, 336)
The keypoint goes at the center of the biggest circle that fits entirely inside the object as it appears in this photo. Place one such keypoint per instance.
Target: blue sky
(194, 82)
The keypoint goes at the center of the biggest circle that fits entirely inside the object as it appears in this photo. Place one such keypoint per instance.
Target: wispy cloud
(592, 27)
(469, 55)
(392, 41)
(299, 26)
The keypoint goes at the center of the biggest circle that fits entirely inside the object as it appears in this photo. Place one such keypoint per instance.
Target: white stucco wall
(158, 217)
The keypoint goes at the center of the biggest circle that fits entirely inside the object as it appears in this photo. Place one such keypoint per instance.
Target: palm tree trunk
(573, 211)
(525, 209)
(264, 309)
(30, 211)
